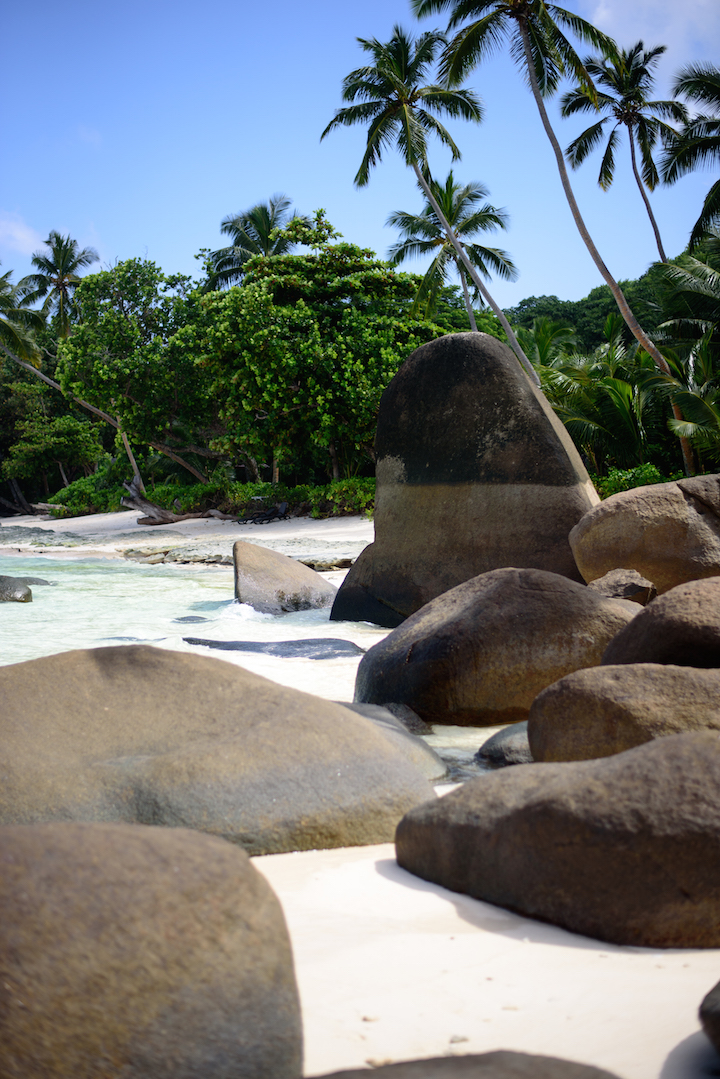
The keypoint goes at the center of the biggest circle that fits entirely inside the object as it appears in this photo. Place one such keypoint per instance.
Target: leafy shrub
(625, 479)
(95, 494)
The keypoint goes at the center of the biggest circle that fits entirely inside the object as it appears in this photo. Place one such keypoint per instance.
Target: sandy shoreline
(392, 968)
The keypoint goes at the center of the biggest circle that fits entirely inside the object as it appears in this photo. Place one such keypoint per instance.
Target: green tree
(252, 232)
(424, 234)
(698, 143)
(64, 442)
(626, 81)
(390, 97)
(120, 359)
(57, 279)
(300, 354)
(535, 30)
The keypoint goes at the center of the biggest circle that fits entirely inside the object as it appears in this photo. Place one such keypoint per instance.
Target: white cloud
(690, 30)
(16, 236)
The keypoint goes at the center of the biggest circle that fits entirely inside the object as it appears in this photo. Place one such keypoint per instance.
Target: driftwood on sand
(156, 515)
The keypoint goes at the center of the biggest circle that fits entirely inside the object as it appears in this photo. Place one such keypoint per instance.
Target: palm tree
(534, 29)
(424, 234)
(626, 78)
(699, 141)
(252, 234)
(17, 321)
(389, 95)
(57, 278)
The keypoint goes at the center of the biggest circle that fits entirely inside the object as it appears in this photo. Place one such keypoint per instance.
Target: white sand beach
(392, 968)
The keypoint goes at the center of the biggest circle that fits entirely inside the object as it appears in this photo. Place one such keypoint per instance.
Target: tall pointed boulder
(474, 472)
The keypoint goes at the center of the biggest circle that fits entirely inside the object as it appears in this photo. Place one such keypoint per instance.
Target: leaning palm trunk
(646, 200)
(630, 321)
(466, 297)
(475, 277)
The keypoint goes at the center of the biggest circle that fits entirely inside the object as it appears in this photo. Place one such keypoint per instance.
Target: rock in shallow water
(151, 736)
(14, 590)
(474, 472)
(271, 582)
(625, 849)
(507, 747)
(479, 654)
(315, 648)
(145, 953)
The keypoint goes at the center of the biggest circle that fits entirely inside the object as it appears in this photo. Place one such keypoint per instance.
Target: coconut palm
(17, 321)
(252, 233)
(391, 97)
(57, 278)
(698, 143)
(625, 78)
(424, 234)
(534, 30)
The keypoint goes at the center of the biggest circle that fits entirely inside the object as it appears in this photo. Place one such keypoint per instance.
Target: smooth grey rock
(502, 1064)
(507, 747)
(140, 734)
(625, 849)
(710, 1015)
(151, 953)
(272, 582)
(419, 752)
(314, 648)
(681, 627)
(479, 654)
(625, 584)
(14, 590)
(474, 472)
(668, 532)
(608, 709)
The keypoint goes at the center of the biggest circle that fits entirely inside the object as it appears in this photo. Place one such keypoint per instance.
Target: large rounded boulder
(150, 736)
(141, 953)
(474, 472)
(668, 532)
(14, 590)
(625, 849)
(681, 627)
(605, 710)
(479, 654)
(502, 1064)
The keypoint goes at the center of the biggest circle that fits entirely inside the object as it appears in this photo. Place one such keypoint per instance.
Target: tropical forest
(261, 376)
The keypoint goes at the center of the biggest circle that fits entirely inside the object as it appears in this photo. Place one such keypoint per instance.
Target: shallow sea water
(96, 602)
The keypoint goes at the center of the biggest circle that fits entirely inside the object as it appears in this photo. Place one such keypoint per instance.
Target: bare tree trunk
(334, 459)
(22, 501)
(66, 481)
(275, 470)
(646, 200)
(104, 415)
(630, 321)
(466, 297)
(131, 458)
(475, 278)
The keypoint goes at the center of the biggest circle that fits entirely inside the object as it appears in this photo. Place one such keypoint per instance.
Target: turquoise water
(96, 602)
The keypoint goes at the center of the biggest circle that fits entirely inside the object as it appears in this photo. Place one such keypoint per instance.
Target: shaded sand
(392, 968)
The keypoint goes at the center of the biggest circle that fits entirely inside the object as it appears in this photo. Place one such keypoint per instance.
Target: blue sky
(137, 127)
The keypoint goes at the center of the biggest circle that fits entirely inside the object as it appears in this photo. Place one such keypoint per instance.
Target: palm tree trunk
(646, 200)
(630, 321)
(512, 339)
(468, 305)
